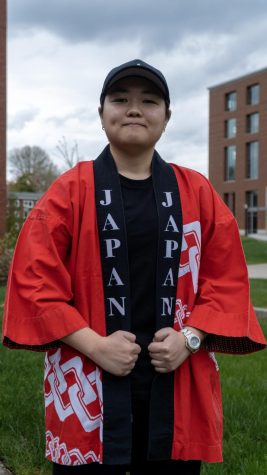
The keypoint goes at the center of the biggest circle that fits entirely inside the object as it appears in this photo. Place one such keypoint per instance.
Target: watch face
(194, 342)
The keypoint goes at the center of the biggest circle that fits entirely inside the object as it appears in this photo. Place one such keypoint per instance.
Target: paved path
(257, 271)
(259, 237)
(3, 470)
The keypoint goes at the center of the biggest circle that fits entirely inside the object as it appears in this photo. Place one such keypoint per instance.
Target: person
(129, 274)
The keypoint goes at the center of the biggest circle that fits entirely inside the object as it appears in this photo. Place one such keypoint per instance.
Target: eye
(150, 101)
(119, 99)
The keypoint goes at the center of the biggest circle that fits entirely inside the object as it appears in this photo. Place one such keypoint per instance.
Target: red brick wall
(2, 115)
(217, 142)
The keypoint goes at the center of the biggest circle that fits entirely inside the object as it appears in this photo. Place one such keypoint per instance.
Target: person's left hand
(168, 350)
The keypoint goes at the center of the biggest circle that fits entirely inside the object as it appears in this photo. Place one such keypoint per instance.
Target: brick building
(3, 15)
(21, 203)
(238, 148)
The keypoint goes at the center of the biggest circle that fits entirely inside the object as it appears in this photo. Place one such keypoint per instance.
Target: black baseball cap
(138, 68)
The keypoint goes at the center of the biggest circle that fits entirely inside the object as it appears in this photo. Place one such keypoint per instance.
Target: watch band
(189, 336)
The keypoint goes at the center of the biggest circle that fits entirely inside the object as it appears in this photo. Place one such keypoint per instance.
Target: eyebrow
(115, 90)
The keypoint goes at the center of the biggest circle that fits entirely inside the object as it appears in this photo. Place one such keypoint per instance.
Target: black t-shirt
(142, 237)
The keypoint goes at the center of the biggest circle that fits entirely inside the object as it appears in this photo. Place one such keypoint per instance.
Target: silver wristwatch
(192, 341)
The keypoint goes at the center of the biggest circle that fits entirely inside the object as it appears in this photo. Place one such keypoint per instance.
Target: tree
(24, 182)
(70, 155)
(32, 168)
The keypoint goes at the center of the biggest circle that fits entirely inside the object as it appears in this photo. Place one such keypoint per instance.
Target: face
(134, 114)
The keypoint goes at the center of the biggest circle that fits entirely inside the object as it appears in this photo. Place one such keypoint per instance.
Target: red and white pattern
(59, 453)
(213, 358)
(77, 398)
(181, 314)
(190, 255)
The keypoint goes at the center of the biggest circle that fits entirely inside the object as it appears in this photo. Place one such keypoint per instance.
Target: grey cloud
(218, 59)
(84, 115)
(21, 118)
(158, 24)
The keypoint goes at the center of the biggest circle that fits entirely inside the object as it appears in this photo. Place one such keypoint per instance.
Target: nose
(134, 109)
(134, 113)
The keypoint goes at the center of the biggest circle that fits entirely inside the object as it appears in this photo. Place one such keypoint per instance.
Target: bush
(7, 245)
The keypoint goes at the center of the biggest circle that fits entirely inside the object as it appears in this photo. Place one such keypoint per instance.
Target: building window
(252, 169)
(253, 122)
(252, 199)
(253, 94)
(229, 199)
(230, 128)
(251, 211)
(229, 162)
(230, 101)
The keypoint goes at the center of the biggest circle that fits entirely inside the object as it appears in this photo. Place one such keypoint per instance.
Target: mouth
(133, 124)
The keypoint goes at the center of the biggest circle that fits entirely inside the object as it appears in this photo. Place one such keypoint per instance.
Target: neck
(135, 165)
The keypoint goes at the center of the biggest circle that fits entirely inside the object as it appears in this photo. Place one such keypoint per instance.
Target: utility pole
(3, 190)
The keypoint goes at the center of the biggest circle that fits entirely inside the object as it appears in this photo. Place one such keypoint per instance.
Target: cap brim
(138, 72)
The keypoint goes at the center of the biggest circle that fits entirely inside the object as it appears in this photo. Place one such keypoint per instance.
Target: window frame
(249, 123)
(250, 89)
(227, 158)
(227, 128)
(228, 101)
(250, 159)
(230, 201)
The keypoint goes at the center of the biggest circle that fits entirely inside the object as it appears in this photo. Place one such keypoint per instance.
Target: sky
(60, 51)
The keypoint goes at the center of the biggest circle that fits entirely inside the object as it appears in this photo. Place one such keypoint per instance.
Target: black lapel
(169, 251)
(170, 239)
(114, 257)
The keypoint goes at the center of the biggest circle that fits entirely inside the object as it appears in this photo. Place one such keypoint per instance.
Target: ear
(100, 112)
(168, 116)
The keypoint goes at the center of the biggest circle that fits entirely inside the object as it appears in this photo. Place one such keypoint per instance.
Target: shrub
(7, 245)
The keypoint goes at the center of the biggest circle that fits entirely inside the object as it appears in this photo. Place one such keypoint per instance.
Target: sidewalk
(259, 237)
(257, 271)
(3, 470)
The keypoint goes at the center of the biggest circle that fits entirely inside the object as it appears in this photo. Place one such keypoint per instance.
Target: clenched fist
(168, 350)
(117, 353)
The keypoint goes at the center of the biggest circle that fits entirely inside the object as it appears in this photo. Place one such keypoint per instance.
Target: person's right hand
(116, 353)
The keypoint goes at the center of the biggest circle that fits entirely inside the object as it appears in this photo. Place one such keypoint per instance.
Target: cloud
(60, 52)
(159, 25)
(21, 118)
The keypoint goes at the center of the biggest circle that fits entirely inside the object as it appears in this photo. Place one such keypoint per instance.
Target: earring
(103, 128)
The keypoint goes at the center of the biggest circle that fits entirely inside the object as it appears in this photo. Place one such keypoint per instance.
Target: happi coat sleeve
(43, 302)
(222, 306)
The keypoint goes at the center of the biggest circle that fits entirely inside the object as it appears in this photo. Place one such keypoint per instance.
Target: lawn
(244, 400)
(244, 387)
(255, 251)
(258, 292)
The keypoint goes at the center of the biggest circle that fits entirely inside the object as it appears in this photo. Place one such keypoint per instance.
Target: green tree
(32, 168)
(24, 182)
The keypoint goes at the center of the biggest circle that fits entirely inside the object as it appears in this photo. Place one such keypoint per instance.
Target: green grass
(22, 441)
(244, 389)
(2, 294)
(244, 401)
(255, 251)
(258, 292)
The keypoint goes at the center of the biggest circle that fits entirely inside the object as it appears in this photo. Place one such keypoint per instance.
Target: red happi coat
(55, 288)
